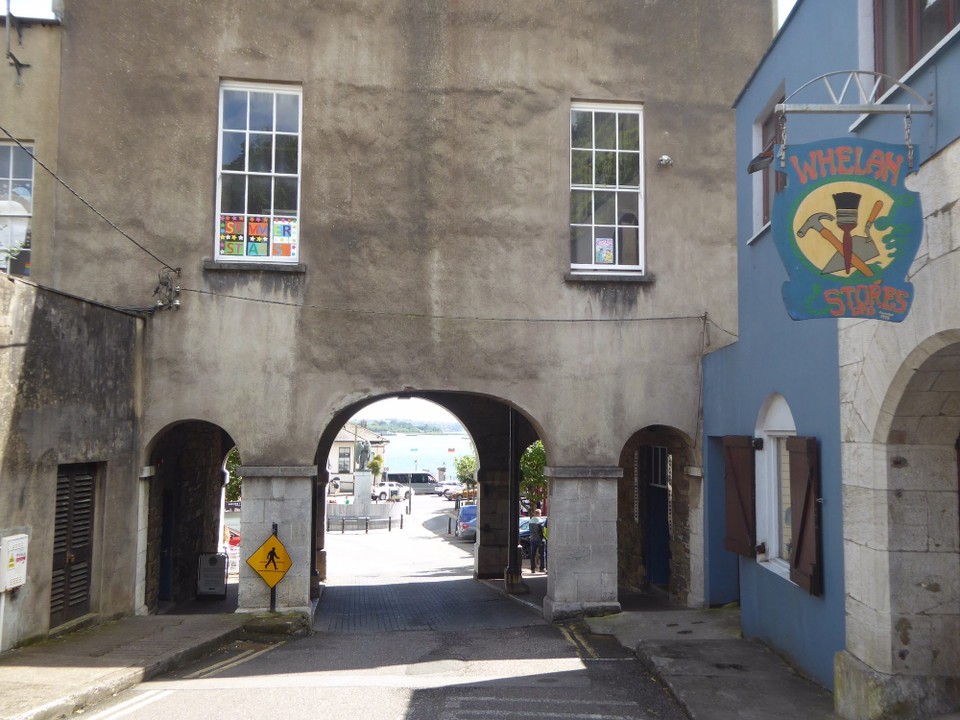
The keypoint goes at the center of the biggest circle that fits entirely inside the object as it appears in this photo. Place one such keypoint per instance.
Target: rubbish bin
(212, 575)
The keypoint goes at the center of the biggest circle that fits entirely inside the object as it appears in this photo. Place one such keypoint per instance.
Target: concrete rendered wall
(70, 372)
(434, 208)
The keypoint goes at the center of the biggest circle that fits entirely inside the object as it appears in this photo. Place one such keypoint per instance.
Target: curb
(125, 679)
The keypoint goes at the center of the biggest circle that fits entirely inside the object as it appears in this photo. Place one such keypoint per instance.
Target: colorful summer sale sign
(847, 230)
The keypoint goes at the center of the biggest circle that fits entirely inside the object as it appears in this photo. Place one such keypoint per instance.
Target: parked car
(420, 482)
(467, 523)
(389, 490)
(443, 489)
(525, 535)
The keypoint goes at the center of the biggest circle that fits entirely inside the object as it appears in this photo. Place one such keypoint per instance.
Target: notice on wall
(847, 229)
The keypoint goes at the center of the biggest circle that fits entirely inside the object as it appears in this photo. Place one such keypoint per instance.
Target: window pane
(628, 246)
(629, 131)
(287, 154)
(234, 150)
(934, 24)
(288, 113)
(232, 190)
(581, 167)
(581, 207)
(234, 110)
(22, 163)
(605, 208)
(261, 111)
(4, 160)
(629, 168)
(285, 199)
(581, 245)
(606, 168)
(628, 207)
(606, 135)
(603, 246)
(4, 188)
(785, 511)
(261, 152)
(581, 129)
(896, 45)
(22, 195)
(258, 197)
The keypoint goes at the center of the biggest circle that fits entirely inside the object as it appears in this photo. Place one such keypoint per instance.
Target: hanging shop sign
(847, 229)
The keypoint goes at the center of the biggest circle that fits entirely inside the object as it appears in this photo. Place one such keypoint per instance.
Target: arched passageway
(183, 485)
(500, 434)
(656, 502)
(902, 539)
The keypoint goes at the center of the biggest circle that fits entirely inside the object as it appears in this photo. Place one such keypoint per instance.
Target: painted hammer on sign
(815, 222)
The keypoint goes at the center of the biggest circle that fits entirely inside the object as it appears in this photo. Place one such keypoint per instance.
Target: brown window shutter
(741, 506)
(806, 566)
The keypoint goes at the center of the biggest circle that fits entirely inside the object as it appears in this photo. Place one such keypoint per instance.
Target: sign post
(271, 562)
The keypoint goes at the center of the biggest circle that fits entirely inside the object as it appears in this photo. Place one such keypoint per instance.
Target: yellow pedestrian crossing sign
(270, 561)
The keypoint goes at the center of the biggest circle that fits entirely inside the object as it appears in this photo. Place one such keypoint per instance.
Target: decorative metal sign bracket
(854, 92)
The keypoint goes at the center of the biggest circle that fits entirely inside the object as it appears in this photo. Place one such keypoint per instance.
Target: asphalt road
(403, 631)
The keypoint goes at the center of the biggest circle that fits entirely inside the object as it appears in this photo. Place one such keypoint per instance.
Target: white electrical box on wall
(13, 561)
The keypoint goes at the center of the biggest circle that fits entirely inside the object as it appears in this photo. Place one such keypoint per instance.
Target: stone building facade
(522, 212)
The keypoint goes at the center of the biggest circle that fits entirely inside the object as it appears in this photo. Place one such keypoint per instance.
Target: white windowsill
(777, 567)
(610, 277)
(253, 266)
(758, 233)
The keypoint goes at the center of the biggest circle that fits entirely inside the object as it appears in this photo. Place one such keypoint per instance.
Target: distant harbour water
(407, 453)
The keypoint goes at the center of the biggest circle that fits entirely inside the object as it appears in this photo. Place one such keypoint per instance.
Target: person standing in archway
(536, 542)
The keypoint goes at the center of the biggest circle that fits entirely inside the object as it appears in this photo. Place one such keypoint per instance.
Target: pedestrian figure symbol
(271, 559)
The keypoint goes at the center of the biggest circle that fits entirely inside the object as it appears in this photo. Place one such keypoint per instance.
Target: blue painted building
(868, 411)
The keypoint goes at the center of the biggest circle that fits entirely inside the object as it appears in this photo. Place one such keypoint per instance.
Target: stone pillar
(582, 544)
(281, 495)
(493, 508)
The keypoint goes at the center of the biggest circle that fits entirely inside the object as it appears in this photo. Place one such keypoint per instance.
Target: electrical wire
(82, 200)
(456, 318)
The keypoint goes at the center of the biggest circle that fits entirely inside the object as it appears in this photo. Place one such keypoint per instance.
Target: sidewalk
(57, 677)
(698, 654)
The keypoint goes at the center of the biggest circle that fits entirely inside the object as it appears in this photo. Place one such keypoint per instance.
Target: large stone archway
(902, 544)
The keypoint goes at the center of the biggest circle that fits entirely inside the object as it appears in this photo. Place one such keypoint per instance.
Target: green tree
(533, 485)
(375, 465)
(466, 466)
(235, 481)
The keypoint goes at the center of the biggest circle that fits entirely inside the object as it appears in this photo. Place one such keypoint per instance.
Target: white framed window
(16, 208)
(606, 188)
(773, 482)
(343, 460)
(258, 173)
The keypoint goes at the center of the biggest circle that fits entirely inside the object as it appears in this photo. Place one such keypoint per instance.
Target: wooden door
(72, 543)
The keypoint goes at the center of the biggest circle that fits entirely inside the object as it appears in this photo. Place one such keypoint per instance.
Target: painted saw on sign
(847, 229)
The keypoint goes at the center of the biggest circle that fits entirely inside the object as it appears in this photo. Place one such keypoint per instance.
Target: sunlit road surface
(403, 631)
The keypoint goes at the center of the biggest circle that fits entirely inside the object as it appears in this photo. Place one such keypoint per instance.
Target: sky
(41, 8)
(405, 409)
(28, 8)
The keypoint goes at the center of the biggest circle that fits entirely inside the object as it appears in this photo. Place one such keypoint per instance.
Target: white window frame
(17, 191)
(615, 267)
(774, 425)
(284, 229)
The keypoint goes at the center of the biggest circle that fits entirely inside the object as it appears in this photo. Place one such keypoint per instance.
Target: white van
(420, 482)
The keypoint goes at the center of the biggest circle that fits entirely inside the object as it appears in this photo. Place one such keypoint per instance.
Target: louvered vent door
(72, 544)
